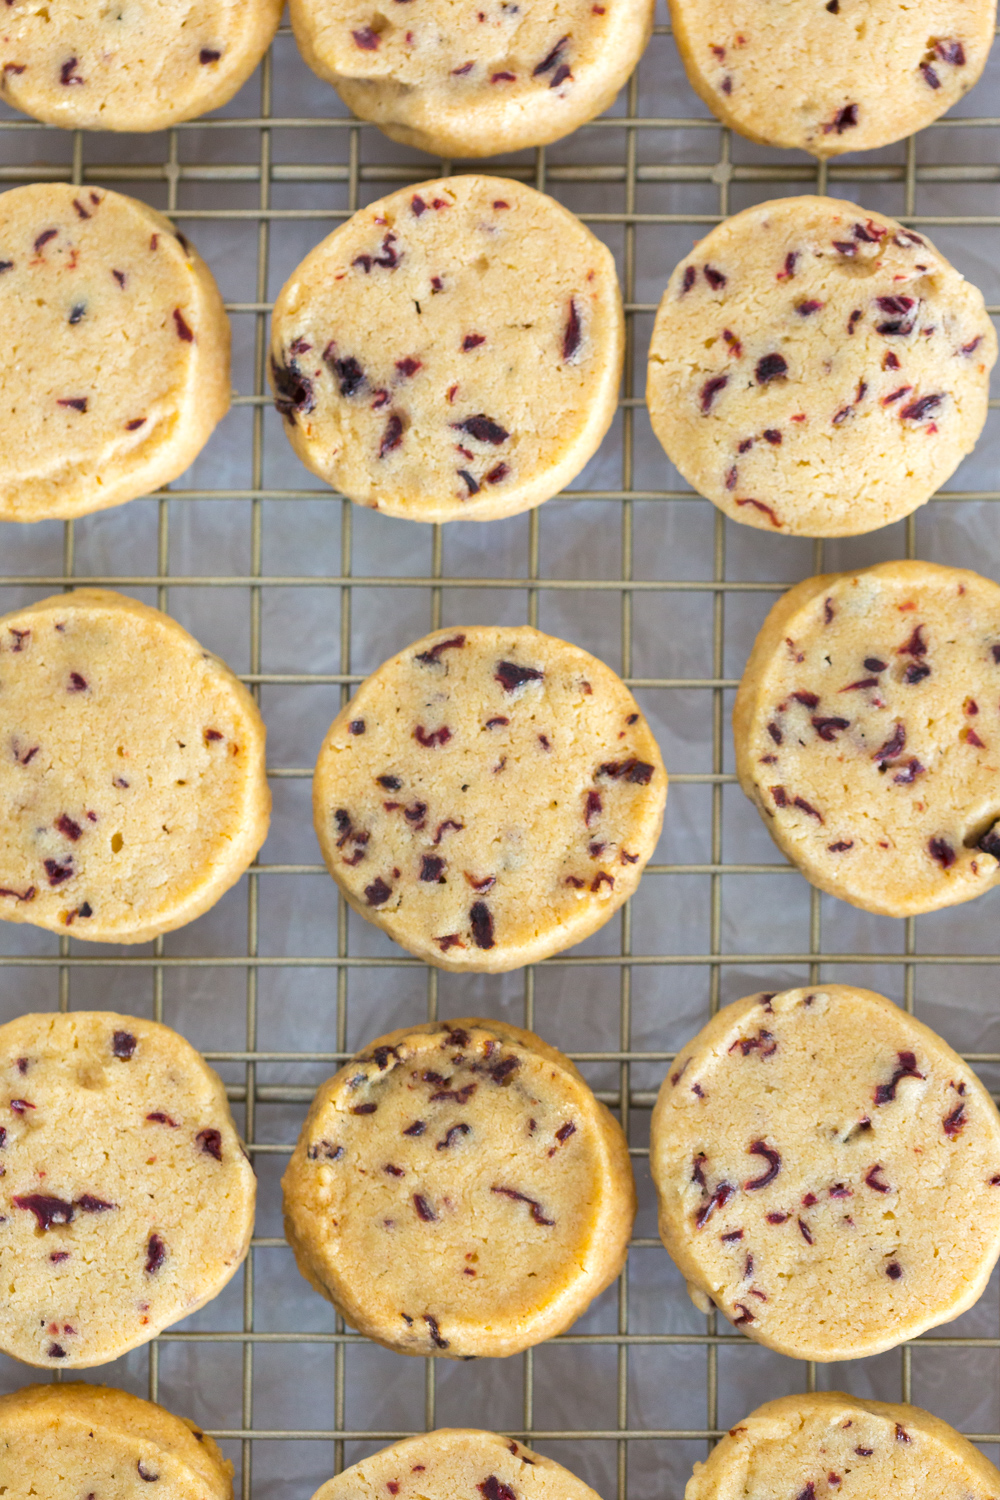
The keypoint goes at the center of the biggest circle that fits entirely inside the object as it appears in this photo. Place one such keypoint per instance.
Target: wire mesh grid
(280, 983)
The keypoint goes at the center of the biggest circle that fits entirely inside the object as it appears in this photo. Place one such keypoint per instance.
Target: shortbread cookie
(845, 75)
(452, 351)
(462, 82)
(458, 1190)
(126, 1201)
(114, 369)
(457, 1461)
(868, 735)
(489, 797)
(68, 1441)
(829, 1444)
(132, 784)
(140, 65)
(818, 370)
(828, 1172)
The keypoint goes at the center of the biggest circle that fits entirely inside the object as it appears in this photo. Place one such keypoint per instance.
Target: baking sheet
(251, 554)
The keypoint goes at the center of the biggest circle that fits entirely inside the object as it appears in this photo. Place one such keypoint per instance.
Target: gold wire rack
(702, 171)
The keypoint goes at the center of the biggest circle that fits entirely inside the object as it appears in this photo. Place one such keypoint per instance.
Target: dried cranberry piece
(156, 1254)
(47, 1210)
(378, 892)
(719, 1199)
(68, 74)
(916, 672)
(941, 851)
(884, 1092)
(423, 1208)
(481, 921)
(955, 1121)
(512, 676)
(533, 1203)
(715, 278)
(990, 843)
(88, 1204)
(711, 389)
(429, 739)
(434, 653)
(483, 429)
(828, 729)
(573, 334)
(843, 120)
(773, 1159)
(916, 411)
(872, 1180)
(210, 1141)
(771, 367)
(431, 868)
(350, 375)
(392, 436)
(366, 39)
(893, 746)
(294, 390)
(872, 664)
(454, 1134)
(68, 828)
(435, 1332)
(552, 59)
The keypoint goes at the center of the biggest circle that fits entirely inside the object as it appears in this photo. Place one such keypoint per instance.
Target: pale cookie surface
(137, 65)
(817, 369)
(72, 1440)
(126, 1201)
(847, 75)
(114, 369)
(132, 784)
(828, 1172)
(458, 1190)
(867, 734)
(464, 81)
(457, 1461)
(489, 796)
(452, 352)
(829, 1444)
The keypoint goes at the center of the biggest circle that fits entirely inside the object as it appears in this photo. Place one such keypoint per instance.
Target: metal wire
(621, 138)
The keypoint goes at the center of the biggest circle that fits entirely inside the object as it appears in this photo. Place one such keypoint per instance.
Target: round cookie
(126, 1201)
(489, 797)
(133, 792)
(115, 362)
(458, 1190)
(57, 1439)
(475, 83)
(457, 1461)
(827, 1444)
(141, 65)
(867, 734)
(828, 1172)
(451, 352)
(817, 369)
(847, 75)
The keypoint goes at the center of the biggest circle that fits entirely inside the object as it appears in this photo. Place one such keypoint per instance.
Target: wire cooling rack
(304, 595)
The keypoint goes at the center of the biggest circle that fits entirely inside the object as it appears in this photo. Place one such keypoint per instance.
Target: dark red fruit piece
(872, 664)
(156, 1254)
(840, 847)
(552, 59)
(350, 375)
(430, 738)
(423, 1208)
(893, 746)
(894, 1271)
(573, 333)
(356, 726)
(773, 1159)
(711, 389)
(210, 1141)
(67, 73)
(843, 120)
(183, 331)
(533, 1203)
(909, 773)
(435, 1332)
(366, 39)
(941, 851)
(57, 873)
(804, 1231)
(719, 1199)
(434, 654)
(431, 867)
(493, 1489)
(828, 729)
(916, 411)
(884, 1092)
(47, 1210)
(378, 892)
(208, 55)
(88, 1204)
(392, 436)
(68, 828)
(715, 278)
(512, 676)
(872, 1180)
(294, 390)
(955, 1121)
(990, 843)
(77, 403)
(483, 429)
(454, 1134)
(916, 672)
(805, 309)
(481, 922)
(639, 772)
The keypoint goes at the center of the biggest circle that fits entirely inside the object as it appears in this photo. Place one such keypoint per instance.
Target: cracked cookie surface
(829, 1444)
(115, 362)
(135, 65)
(867, 734)
(451, 352)
(126, 1201)
(458, 1190)
(818, 370)
(471, 81)
(133, 791)
(488, 797)
(844, 75)
(828, 1172)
